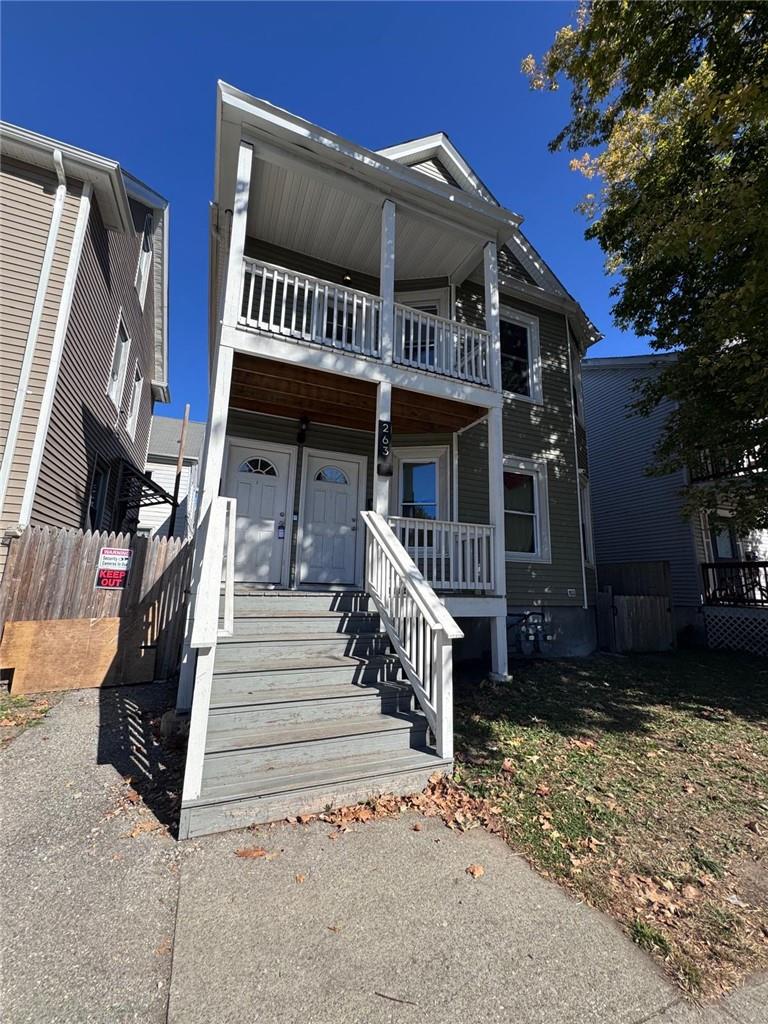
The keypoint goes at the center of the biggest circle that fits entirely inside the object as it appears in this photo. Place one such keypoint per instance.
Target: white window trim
(585, 497)
(439, 454)
(132, 420)
(577, 385)
(117, 398)
(439, 297)
(538, 469)
(531, 324)
(141, 286)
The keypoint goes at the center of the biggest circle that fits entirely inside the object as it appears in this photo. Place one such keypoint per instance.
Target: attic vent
(434, 169)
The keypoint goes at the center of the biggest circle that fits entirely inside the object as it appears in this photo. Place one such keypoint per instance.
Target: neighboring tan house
(162, 459)
(84, 274)
(392, 374)
(638, 517)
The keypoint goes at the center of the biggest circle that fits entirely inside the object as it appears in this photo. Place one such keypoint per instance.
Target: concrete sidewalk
(106, 923)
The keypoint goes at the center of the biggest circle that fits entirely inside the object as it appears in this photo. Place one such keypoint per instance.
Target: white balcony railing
(284, 302)
(450, 556)
(441, 346)
(310, 310)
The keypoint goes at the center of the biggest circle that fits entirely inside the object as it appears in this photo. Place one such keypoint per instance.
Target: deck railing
(309, 310)
(441, 346)
(450, 556)
(418, 624)
(737, 584)
(284, 302)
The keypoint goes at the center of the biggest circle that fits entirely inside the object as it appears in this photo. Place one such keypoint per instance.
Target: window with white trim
(526, 510)
(145, 259)
(586, 520)
(119, 364)
(133, 412)
(520, 355)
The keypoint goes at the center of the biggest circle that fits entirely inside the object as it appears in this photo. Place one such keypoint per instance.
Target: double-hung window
(133, 411)
(145, 259)
(119, 364)
(526, 510)
(520, 355)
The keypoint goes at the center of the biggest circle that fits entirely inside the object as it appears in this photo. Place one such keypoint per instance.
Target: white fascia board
(259, 118)
(79, 164)
(631, 362)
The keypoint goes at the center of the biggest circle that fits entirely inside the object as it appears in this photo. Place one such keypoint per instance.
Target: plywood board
(66, 654)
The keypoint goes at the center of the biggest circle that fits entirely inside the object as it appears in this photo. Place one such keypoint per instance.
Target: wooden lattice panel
(738, 629)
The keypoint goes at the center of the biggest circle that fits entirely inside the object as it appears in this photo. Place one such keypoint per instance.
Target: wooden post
(491, 273)
(179, 468)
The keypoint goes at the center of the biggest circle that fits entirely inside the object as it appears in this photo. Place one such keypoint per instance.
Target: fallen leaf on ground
(508, 765)
(476, 870)
(543, 789)
(145, 825)
(300, 878)
(333, 928)
(251, 852)
(417, 827)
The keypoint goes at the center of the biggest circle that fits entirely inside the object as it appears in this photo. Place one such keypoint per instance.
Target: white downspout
(578, 470)
(34, 329)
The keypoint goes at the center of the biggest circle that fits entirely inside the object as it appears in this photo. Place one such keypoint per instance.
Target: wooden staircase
(308, 708)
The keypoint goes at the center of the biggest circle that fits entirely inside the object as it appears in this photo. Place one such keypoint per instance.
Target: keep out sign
(114, 564)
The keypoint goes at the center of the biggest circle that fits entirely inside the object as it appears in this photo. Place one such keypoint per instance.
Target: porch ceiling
(315, 216)
(283, 389)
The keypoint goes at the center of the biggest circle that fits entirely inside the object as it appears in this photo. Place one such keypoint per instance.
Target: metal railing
(441, 346)
(737, 584)
(450, 556)
(308, 309)
(419, 626)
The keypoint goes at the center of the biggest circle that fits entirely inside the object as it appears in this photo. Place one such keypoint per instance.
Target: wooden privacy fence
(634, 607)
(56, 623)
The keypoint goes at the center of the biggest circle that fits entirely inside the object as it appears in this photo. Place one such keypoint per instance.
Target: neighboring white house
(161, 466)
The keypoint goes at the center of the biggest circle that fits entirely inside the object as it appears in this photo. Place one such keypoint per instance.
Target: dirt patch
(19, 713)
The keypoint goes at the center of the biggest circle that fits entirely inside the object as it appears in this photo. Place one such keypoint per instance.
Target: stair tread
(254, 697)
(244, 738)
(324, 661)
(302, 613)
(294, 638)
(331, 773)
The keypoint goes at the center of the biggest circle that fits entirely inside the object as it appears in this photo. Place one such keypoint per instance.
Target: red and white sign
(114, 565)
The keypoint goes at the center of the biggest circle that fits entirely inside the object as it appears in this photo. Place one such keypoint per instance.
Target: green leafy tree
(669, 116)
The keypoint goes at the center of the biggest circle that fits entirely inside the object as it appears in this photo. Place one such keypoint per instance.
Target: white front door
(259, 478)
(329, 530)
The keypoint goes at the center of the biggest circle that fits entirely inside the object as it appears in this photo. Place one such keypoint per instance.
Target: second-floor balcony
(310, 310)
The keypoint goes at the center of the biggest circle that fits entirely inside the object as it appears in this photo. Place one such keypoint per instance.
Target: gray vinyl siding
(85, 426)
(26, 206)
(533, 432)
(635, 517)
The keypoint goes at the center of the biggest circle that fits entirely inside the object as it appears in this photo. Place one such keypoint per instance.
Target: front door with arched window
(331, 505)
(259, 478)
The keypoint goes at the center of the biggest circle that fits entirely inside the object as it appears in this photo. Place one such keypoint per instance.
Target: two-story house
(394, 458)
(83, 317)
(639, 517)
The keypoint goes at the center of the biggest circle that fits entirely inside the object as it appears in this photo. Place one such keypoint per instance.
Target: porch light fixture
(302, 434)
(347, 278)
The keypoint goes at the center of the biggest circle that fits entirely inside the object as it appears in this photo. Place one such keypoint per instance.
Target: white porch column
(381, 483)
(387, 279)
(218, 407)
(496, 462)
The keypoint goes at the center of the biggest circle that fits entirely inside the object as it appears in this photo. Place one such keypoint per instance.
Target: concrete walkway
(107, 921)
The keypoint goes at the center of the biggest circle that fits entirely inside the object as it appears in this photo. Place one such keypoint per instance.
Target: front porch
(300, 459)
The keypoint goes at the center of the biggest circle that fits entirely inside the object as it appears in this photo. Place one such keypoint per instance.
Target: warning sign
(114, 565)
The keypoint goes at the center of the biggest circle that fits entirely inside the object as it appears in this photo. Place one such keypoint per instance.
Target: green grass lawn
(18, 713)
(641, 783)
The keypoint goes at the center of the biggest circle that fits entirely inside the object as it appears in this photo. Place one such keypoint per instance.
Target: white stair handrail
(217, 535)
(419, 626)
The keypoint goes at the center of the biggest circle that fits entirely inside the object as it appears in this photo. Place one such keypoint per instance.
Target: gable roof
(164, 436)
(439, 150)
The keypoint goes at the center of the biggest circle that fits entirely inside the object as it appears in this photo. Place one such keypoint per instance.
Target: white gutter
(62, 323)
(34, 329)
(578, 470)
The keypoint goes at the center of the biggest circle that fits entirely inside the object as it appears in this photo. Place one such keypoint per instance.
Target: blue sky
(136, 82)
